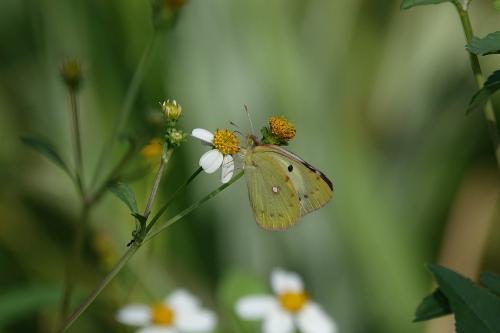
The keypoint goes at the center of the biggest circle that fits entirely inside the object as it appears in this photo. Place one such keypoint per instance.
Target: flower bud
(172, 110)
(71, 73)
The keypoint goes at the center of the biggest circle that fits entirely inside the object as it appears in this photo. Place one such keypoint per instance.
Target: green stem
(193, 207)
(72, 264)
(488, 111)
(136, 245)
(75, 122)
(169, 202)
(99, 288)
(128, 102)
(154, 191)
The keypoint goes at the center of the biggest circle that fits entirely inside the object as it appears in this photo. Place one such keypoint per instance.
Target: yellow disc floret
(226, 142)
(282, 128)
(162, 314)
(293, 301)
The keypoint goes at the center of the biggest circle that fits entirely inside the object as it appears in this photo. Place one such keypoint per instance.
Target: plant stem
(167, 204)
(488, 111)
(128, 102)
(136, 245)
(154, 191)
(75, 122)
(73, 262)
(193, 207)
(99, 288)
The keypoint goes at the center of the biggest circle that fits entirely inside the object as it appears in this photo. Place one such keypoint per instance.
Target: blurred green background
(378, 98)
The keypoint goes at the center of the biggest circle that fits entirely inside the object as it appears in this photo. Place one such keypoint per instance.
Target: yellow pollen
(293, 301)
(226, 142)
(162, 314)
(281, 128)
(153, 149)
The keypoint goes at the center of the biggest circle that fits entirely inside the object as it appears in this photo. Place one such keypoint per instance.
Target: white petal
(181, 300)
(255, 307)
(157, 329)
(283, 281)
(227, 169)
(195, 321)
(203, 135)
(312, 319)
(278, 321)
(211, 160)
(134, 314)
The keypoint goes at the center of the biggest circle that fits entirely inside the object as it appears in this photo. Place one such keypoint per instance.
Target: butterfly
(282, 187)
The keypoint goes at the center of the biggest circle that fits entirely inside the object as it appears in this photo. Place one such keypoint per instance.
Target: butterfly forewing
(313, 188)
(273, 198)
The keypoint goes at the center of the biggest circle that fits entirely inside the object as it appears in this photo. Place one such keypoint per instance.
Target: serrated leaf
(476, 309)
(480, 98)
(406, 4)
(125, 193)
(484, 46)
(46, 149)
(491, 281)
(433, 306)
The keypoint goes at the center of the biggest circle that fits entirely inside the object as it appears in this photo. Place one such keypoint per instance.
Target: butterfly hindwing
(273, 198)
(313, 188)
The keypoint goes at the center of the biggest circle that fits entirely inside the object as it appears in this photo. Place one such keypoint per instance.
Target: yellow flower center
(282, 128)
(153, 149)
(162, 314)
(293, 301)
(226, 142)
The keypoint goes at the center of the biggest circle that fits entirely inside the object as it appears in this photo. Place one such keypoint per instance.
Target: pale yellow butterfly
(282, 187)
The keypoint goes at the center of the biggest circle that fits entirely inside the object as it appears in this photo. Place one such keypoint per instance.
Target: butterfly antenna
(249, 118)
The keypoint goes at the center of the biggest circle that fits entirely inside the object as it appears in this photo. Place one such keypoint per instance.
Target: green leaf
(482, 95)
(433, 306)
(496, 4)
(19, 303)
(46, 149)
(406, 4)
(484, 46)
(125, 193)
(491, 281)
(476, 309)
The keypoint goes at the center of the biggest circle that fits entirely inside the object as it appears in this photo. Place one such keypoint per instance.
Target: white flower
(224, 145)
(290, 308)
(179, 312)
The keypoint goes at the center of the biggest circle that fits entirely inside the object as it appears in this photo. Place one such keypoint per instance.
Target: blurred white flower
(225, 144)
(179, 312)
(288, 309)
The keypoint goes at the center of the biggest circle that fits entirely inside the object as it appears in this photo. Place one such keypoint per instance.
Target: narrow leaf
(125, 193)
(482, 95)
(46, 149)
(484, 46)
(491, 281)
(433, 306)
(22, 302)
(406, 4)
(476, 309)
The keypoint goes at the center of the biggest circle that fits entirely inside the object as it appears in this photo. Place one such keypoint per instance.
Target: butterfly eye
(290, 168)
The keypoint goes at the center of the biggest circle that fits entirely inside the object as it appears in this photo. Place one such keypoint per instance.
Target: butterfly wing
(273, 198)
(313, 188)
